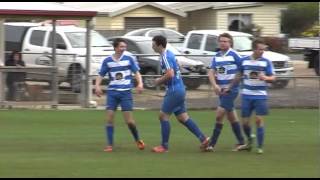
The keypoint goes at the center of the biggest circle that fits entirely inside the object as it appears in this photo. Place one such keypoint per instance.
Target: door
(132, 23)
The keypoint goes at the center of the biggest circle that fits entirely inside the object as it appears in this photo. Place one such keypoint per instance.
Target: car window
(131, 47)
(173, 36)
(156, 33)
(195, 41)
(59, 40)
(211, 43)
(37, 37)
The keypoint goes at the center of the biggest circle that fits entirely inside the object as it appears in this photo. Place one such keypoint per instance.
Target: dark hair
(256, 42)
(117, 41)
(226, 35)
(160, 40)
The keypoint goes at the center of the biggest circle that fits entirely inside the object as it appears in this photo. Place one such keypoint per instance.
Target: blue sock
(216, 133)
(165, 132)
(237, 132)
(260, 136)
(132, 127)
(247, 131)
(109, 134)
(194, 129)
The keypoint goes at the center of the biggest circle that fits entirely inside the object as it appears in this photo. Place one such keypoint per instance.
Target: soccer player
(120, 67)
(224, 68)
(174, 100)
(256, 71)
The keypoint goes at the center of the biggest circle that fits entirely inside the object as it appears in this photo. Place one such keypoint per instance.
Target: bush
(277, 44)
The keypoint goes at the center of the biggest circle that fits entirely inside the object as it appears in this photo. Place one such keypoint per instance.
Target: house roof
(193, 6)
(116, 8)
(42, 9)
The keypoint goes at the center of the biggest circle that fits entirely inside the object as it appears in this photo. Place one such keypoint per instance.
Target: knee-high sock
(109, 134)
(165, 133)
(192, 126)
(247, 131)
(215, 134)
(132, 127)
(237, 132)
(260, 136)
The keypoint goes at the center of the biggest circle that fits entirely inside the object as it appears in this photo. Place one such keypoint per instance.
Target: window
(37, 37)
(59, 40)
(131, 47)
(156, 33)
(238, 21)
(195, 41)
(211, 43)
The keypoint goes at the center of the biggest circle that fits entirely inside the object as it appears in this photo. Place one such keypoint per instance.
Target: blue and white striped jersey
(120, 72)
(226, 67)
(252, 87)
(168, 61)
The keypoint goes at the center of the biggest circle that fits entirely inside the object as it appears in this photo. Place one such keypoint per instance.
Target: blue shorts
(227, 101)
(124, 98)
(174, 102)
(249, 105)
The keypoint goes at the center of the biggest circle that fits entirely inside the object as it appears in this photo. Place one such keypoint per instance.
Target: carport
(46, 11)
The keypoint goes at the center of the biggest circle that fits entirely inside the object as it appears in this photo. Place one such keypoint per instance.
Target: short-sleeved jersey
(226, 67)
(168, 61)
(120, 72)
(252, 87)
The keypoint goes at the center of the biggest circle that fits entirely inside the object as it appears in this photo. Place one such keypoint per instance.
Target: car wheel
(192, 84)
(148, 82)
(76, 78)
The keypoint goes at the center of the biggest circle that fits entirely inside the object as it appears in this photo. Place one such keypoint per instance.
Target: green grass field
(70, 143)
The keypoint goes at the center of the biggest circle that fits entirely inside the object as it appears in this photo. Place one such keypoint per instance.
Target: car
(150, 64)
(174, 37)
(205, 44)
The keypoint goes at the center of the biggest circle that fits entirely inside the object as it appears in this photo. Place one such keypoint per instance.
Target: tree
(299, 17)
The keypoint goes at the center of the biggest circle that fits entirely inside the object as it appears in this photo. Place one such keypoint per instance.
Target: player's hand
(98, 91)
(263, 77)
(225, 91)
(139, 88)
(157, 81)
(217, 90)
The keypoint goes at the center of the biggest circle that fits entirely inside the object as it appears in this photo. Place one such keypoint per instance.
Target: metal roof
(116, 8)
(193, 6)
(42, 9)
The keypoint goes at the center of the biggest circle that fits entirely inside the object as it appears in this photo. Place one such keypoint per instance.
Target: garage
(132, 23)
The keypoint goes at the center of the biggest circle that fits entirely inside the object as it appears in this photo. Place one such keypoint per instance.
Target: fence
(38, 89)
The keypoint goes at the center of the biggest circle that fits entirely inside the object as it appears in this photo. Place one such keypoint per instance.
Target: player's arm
(139, 87)
(212, 79)
(98, 90)
(169, 74)
(270, 75)
(234, 82)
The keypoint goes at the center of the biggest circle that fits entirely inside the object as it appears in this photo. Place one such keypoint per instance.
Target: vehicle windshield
(242, 43)
(146, 47)
(78, 39)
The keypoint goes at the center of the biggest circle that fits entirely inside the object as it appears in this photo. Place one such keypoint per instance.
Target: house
(231, 16)
(117, 18)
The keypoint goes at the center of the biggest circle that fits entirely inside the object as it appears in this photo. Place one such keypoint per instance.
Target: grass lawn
(70, 143)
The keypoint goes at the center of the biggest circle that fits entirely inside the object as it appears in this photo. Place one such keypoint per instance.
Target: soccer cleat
(205, 143)
(260, 151)
(238, 147)
(140, 144)
(247, 147)
(108, 149)
(159, 149)
(209, 149)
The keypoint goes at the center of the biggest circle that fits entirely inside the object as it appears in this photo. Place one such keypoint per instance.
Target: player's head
(258, 47)
(159, 43)
(225, 41)
(119, 45)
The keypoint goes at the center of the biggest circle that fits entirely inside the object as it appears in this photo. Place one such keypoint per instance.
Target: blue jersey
(226, 67)
(252, 87)
(168, 61)
(120, 72)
